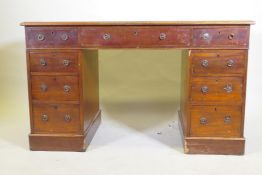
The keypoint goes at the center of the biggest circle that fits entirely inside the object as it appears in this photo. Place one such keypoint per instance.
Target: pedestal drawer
(55, 118)
(53, 61)
(56, 88)
(217, 89)
(236, 37)
(50, 37)
(216, 121)
(205, 62)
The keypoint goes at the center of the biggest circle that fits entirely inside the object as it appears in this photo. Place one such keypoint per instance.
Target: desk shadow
(157, 120)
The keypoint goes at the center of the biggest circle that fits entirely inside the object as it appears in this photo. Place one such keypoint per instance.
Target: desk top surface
(138, 23)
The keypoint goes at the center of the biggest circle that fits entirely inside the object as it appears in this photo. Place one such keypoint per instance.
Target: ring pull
(231, 36)
(162, 36)
(206, 36)
(204, 63)
(67, 88)
(67, 118)
(40, 37)
(228, 88)
(204, 89)
(227, 119)
(106, 36)
(44, 118)
(42, 62)
(43, 87)
(66, 62)
(203, 120)
(230, 63)
(64, 36)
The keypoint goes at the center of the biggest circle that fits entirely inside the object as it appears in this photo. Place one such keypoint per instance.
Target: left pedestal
(63, 97)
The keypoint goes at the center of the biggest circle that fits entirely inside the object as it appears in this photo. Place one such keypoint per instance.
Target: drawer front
(55, 88)
(221, 37)
(216, 89)
(53, 62)
(45, 37)
(216, 121)
(219, 62)
(134, 37)
(55, 118)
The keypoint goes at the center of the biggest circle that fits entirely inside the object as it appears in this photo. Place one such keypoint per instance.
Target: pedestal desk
(62, 63)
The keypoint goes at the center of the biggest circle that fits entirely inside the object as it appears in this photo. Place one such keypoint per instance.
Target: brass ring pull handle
(203, 121)
(40, 37)
(106, 36)
(66, 62)
(228, 88)
(206, 36)
(64, 36)
(231, 36)
(204, 63)
(44, 118)
(67, 88)
(204, 89)
(162, 36)
(67, 118)
(42, 62)
(227, 119)
(43, 87)
(230, 63)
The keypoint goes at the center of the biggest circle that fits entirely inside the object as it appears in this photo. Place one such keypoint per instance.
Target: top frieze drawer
(45, 37)
(220, 37)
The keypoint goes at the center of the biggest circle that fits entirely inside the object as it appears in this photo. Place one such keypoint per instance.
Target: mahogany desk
(62, 62)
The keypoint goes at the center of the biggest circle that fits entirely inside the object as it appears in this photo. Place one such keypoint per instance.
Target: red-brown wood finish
(62, 61)
(56, 118)
(58, 62)
(133, 37)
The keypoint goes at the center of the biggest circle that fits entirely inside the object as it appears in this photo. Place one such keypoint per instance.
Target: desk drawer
(217, 89)
(55, 88)
(135, 36)
(216, 121)
(55, 118)
(44, 37)
(219, 62)
(53, 62)
(221, 37)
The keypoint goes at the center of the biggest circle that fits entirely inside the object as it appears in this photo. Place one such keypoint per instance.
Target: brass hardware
(162, 36)
(64, 36)
(204, 63)
(67, 88)
(135, 33)
(106, 36)
(203, 121)
(67, 118)
(227, 119)
(43, 87)
(228, 88)
(40, 37)
(206, 36)
(66, 62)
(42, 62)
(44, 118)
(230, 63)
(204, 89)
(231, 36)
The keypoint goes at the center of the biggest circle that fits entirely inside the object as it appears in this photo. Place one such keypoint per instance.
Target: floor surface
(146, 141)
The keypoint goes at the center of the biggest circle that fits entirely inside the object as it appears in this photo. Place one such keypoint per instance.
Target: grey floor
(132, 139)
